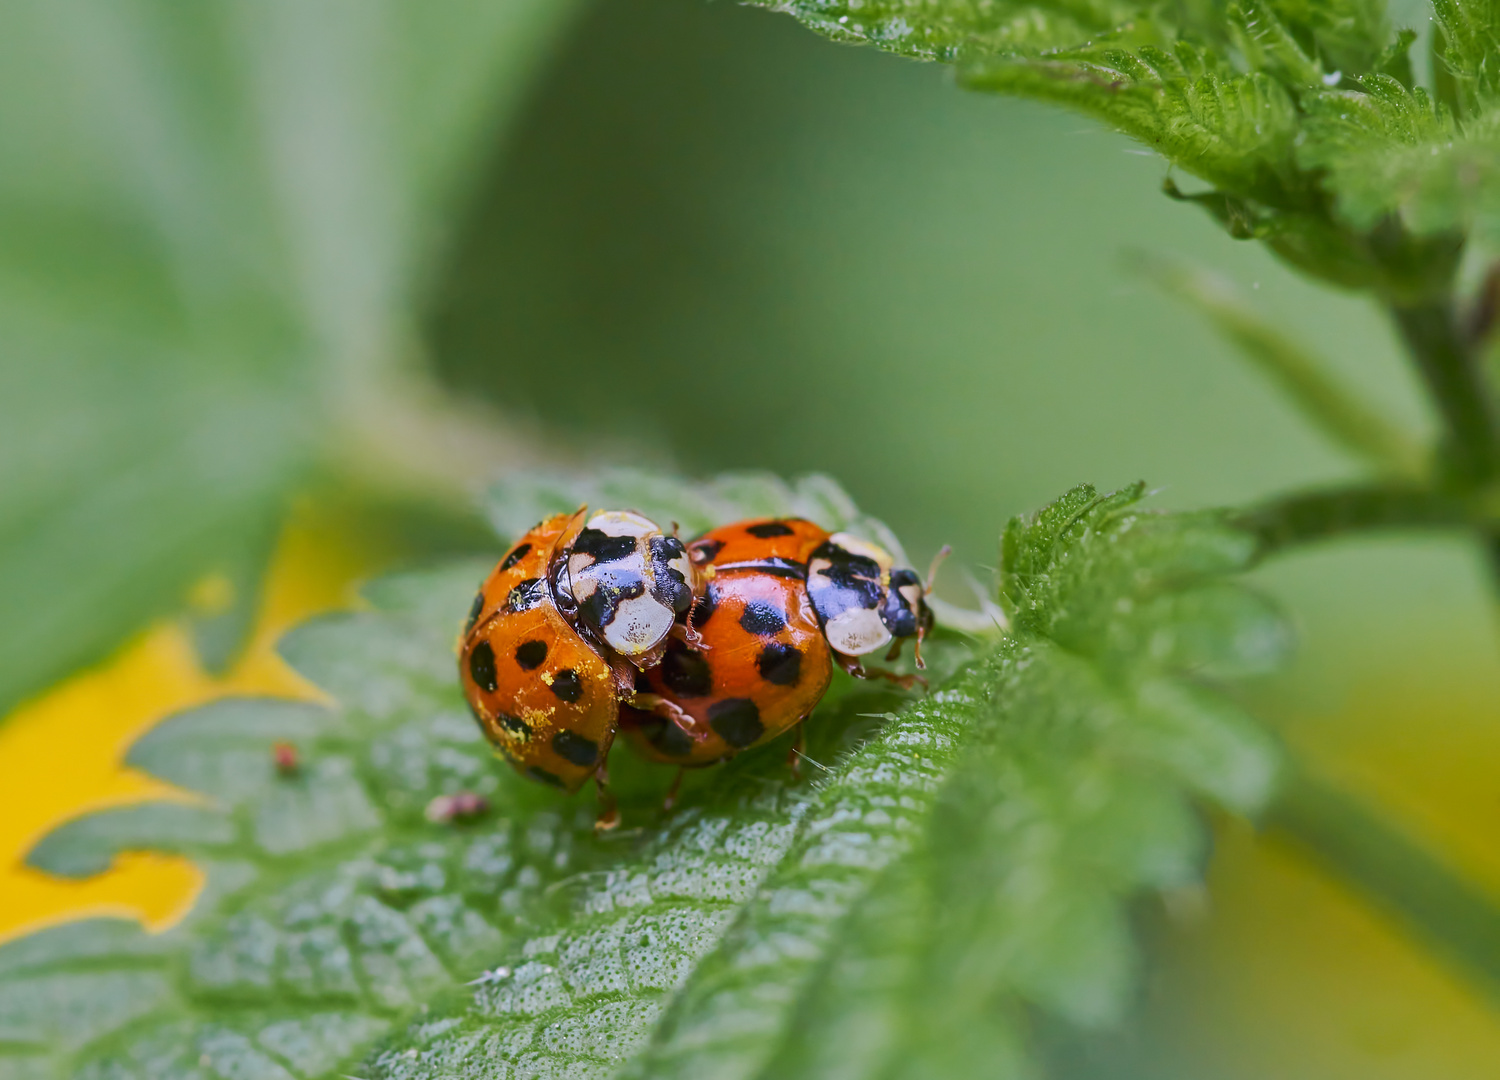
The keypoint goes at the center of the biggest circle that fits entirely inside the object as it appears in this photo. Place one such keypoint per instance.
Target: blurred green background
(232, 242)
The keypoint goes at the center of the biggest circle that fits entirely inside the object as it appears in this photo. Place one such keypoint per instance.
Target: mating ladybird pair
(593, 624)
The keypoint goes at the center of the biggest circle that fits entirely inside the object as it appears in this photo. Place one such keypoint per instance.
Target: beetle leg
(671, 797)
(794, 755)
(624, 672)
(854, 667)
(689, 634)
(609, 813)
(684, 632)
(670, 710)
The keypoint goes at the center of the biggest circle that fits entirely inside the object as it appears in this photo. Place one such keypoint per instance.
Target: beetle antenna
(937, 561)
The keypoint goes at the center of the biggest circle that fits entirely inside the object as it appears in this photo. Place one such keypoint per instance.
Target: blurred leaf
(760, 928)
(1337, 410)
(1389, 150)
(519, 501)
(217, 223)
(1352, 35)
(1467, 51)
(950, 30)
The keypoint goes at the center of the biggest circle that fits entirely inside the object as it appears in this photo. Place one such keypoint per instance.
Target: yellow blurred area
(1296, 976)
(61, 755)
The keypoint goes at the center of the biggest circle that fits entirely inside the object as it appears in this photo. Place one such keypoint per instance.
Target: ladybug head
(624, 582)
(862, 601)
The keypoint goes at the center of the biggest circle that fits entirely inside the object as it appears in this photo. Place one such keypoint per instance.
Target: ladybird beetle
(542, 695)
(553, 634)
(752, 660)
(782, 601)
(698, 651)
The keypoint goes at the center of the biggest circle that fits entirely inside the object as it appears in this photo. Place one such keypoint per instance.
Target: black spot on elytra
(515, 725)
(474, 609)
(686, 673)
(573, 747)
(530, 654)
(780, 664)
(737, 721)
(704, 609)
(602, 546)
(767, 529)
(526, 595)
(516, 555)
(760, 617)
(536, 772)
(482, 667)
(567, 685)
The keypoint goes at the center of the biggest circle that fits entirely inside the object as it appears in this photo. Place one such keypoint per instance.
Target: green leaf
(764, 925)
(332, 905)
(1466, 48)
(1285, 107)
(1388, 150)
(1350, 36)
(1235, 131)
(217, 223)
(951, 30)
(1118, 64)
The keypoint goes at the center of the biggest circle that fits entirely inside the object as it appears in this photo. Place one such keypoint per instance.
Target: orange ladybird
(752, 661)
(542, 695)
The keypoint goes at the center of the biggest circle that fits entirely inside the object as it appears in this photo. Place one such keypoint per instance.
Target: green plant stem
(1450, 368)
(1292, 521)
(1450, 364)
(1451, 915)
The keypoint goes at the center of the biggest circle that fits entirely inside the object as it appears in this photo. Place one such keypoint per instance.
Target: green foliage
(1465, 49)
(332, 905)
(951, 30)
(1390, 150)
(216, 226)
(1304, 115)
(953, 859)
(1235, 131)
